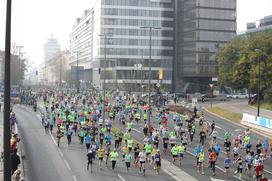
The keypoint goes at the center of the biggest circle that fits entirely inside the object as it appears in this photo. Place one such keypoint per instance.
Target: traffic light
(36, 72)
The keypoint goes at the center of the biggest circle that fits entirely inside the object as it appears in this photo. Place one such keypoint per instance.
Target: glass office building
(202, 26)
(127, 44)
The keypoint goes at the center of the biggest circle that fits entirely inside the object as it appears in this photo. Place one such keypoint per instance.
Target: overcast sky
(36, 20)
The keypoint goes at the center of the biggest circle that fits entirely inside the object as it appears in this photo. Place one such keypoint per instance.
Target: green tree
(238, 62)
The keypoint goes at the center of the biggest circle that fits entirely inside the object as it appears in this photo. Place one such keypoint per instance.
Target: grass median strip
(235, 117)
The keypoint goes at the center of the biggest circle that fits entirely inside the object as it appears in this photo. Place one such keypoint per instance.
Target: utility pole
(77, 76)
(7, 165)
(104, 72)
(149, 70)
(259, 81)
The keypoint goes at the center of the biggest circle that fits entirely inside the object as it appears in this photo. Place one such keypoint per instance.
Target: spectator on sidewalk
(15, 161)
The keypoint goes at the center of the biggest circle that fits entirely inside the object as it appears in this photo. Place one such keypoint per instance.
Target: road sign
(161, 73)
(214, 79)
(211, 85)
(194, 101)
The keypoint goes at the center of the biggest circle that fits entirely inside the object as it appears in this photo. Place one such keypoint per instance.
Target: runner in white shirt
(142, 159)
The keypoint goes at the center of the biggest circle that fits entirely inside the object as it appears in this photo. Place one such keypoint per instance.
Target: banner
(260, 121)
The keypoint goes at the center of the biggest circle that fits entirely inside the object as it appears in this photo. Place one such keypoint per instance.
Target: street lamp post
(6, 130)
(104, 72)
(149, 67)
(77, 76)
(259, 82)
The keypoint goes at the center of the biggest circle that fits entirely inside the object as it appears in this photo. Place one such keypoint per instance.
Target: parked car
(240, 96)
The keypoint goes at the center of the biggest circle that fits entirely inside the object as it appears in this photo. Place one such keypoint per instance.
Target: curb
(237, 124)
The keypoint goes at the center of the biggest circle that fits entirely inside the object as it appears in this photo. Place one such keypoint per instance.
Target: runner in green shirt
(174, 152)
(113, 155)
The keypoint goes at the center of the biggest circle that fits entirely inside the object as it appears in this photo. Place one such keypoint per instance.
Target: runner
(128, 159)
(142, 159)
(227, 162)
(90, 157)
(114, 155)
(100, 154)
(158, 161)
(174, 152)
(201, 160)
(181, 151)
(239, 163)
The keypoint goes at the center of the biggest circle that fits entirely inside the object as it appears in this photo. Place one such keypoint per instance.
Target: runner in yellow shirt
(101, 153)
(181, 150)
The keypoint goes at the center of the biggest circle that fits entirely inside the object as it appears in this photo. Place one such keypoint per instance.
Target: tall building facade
(51, 48)
(201, 27)
(127, 45)
(81, 46)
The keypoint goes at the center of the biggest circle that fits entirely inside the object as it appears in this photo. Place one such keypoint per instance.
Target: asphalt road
(46, 162)
(188, 163)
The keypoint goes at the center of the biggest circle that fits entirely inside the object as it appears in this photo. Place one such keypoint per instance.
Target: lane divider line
(53, 139)
(67, 164)
(121, 178)
(268, 172)
(60, 152)
(172, 175)
(74, 178)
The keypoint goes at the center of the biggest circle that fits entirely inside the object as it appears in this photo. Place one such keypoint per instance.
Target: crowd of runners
(70, 115)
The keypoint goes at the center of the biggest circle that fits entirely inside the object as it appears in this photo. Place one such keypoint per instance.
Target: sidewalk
(265, 132)
(242, 107)
(2, 149)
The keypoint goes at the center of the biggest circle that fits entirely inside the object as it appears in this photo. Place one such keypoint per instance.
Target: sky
(33, 21)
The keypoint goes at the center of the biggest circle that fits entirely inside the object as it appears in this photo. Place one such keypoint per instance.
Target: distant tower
(51, 47)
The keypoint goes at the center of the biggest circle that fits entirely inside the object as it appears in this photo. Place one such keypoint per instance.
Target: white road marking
(268, 171)
(220, 138)
(218, 127)
(60, 152)
(190, 153)
(214, 179)
(53, 139)
(238, 178)
(238, 130)
(136, 130)
(169, 173)
(121, 178)
(175, 172)
(74, 177)
(67, 164)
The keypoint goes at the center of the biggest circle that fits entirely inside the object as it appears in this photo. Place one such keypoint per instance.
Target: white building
(262, 25)
(128, 45)
(81, 44)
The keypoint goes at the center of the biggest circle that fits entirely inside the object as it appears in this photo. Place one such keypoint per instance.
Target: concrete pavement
(242, 106)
